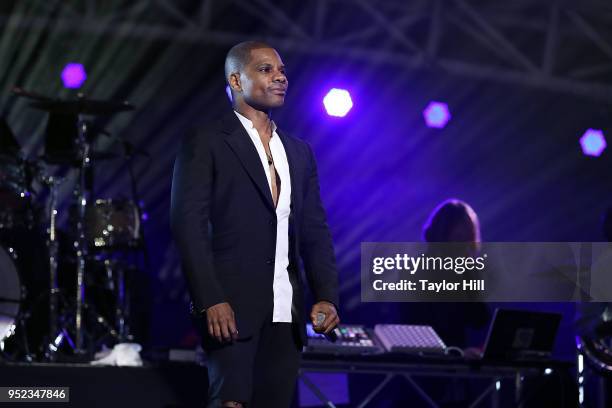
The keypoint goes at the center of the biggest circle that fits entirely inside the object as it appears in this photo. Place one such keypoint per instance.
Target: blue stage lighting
(338, 102)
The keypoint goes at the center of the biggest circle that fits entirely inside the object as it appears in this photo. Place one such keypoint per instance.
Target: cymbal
(78, 106)
(31, 95)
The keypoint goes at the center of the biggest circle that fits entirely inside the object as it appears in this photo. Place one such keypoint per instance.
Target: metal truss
(559, 45)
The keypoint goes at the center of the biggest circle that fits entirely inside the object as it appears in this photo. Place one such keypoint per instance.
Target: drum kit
(64, 293)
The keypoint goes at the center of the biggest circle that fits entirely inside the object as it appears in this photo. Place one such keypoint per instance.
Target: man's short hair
(240, 55)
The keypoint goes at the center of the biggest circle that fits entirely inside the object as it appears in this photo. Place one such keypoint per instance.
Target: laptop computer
(519, 335)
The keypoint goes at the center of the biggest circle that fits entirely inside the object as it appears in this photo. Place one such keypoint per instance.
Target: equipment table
(411, 367)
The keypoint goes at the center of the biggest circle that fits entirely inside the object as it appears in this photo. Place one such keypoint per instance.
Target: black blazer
(224, 224)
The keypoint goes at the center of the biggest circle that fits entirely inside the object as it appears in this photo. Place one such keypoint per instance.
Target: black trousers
(260, 371)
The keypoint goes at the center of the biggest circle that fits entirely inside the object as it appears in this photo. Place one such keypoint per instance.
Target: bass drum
(11, 295)
(24, 289)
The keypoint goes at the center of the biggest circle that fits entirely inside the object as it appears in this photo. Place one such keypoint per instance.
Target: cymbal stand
(122, 311)
(130, 153)
(54, 290)
(115, 271)
(80, 244)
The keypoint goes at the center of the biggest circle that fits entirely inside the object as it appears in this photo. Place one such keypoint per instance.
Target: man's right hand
(221, 322)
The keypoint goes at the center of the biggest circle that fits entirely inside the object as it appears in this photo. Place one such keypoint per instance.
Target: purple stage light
(73, 75)
(593, 142)
(436, 114)
(338, 102)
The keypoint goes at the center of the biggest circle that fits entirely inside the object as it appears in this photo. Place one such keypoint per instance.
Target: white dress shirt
(283, 292)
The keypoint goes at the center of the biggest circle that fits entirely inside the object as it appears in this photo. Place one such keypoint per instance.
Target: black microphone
(331, 336)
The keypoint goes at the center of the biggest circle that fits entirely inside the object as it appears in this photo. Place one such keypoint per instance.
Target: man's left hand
(331, 317)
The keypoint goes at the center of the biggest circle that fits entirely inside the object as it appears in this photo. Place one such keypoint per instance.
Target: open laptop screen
(521, 335)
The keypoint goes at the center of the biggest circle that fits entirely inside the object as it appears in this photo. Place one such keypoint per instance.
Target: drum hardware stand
(121, 298)
(130, 152)
(102, 321)
(81, 245)
(56, 334)
(63, 334)
(30, 168)
(122, 309)
(57, 328)
(52, 246)
(59, 324)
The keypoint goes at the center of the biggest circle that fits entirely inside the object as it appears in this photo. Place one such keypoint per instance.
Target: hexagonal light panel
(73, 75)
(436, 114)
(338, 102)
(593, 142)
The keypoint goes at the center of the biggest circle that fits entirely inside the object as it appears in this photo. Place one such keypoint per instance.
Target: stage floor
(169, 385)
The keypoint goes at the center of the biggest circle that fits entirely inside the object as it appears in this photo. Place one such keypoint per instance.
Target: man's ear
(234, 82)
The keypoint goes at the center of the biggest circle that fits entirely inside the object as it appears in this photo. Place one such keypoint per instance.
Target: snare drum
(112, 224)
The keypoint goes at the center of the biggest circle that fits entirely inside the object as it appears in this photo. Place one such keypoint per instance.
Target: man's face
(263, 81)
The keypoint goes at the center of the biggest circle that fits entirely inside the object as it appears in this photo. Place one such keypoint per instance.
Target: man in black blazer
(245, 209)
